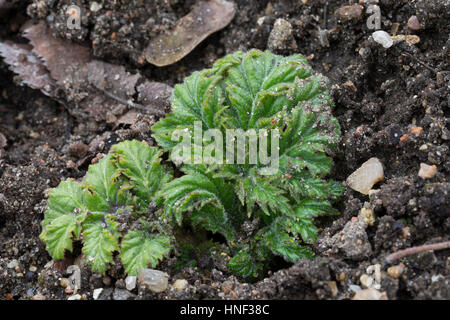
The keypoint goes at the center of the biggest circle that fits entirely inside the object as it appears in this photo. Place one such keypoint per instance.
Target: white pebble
(364, 178)
(130, 282)
(383, 38)
(97, 293)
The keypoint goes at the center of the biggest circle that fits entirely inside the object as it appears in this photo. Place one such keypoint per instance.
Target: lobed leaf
(140, 250)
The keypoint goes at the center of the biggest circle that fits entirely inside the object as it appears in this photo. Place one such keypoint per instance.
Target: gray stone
(122, 294)
(105, 294)
(281, 37)
(13, 264)
(130, 282)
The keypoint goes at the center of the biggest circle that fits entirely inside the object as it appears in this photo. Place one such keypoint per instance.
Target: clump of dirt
(391, 103)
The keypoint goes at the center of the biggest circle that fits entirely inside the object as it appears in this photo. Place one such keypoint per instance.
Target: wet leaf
(206, 18)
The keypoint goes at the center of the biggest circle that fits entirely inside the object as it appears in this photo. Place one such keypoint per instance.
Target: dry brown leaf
(29, 68)
(128, 118)
(112, 78)
(96, 87)
(206, 18)
(155, 94)
(62, 58)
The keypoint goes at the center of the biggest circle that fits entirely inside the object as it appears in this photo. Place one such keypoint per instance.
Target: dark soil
(379, 95)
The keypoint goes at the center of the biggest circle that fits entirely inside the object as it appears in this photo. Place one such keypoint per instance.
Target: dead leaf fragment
(62, 58)
(155, 94)
(29, 68)
(409, 38)
(113, 78)
(206, 18)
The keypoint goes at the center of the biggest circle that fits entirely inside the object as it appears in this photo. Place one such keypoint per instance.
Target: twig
(132, 104)
(406, 252)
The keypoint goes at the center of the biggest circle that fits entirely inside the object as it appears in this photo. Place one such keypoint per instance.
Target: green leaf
(244, 264)
(141, 164)
(208, 198)
(63, 218)
(100, 241)
(140, 250)
(64, 199)
(102, 182)
(256, 90)
(118, 189)
(59, 233)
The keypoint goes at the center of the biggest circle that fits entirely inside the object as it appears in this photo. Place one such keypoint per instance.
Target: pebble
(74, 297)
(38, 297)
(383, 38)
(180, 284)
(416, 130)
(227, 286)
(33, 269)
(13, 264)
(366, 281)
(370, 294)
(106, 280)
(64, 282)
(78, 149)
(3, 141)
(426, 171)
(413, 23)
(75, 278)
(95, 7)
(366, 176)
(367, 215)
(354, 288)
(348, 13)
(396, 271)
(281, 36)
(97, 293)
(130, 282)
(333, 287)
(122, 294)
(154, 280)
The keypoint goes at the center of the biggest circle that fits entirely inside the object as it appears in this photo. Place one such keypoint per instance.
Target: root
(406, 252)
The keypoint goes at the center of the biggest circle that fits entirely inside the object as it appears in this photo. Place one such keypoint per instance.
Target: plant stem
(406, 252)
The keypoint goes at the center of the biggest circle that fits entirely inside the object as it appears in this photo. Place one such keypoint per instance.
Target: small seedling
(109, 211)
(260, 214)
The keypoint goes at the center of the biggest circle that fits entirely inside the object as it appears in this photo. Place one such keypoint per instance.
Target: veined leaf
(140, 250)
(141, 164)
(59, 233)
(100, 241)
(257, 90)
(244, 264)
